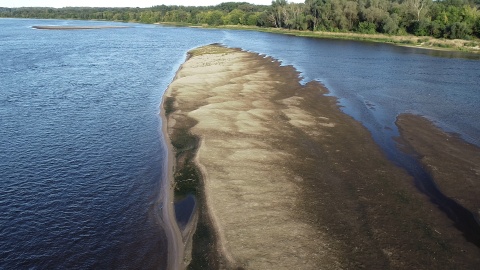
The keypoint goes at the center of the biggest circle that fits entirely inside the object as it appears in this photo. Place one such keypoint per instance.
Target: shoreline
(207, 256)
(290, 180)
(409, 41)
(174, 239)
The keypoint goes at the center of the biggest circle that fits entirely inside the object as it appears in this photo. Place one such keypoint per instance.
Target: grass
(186, 175)
(203, 251)
(188, 181)
(210, 49)
(168, 106)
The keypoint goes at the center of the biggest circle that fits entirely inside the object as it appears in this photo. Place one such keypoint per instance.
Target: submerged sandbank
(79, 27)
(453, 163)
(285, 180)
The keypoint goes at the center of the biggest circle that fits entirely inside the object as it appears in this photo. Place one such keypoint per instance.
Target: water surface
(81, 155)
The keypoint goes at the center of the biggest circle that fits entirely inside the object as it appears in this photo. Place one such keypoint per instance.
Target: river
(81, 152)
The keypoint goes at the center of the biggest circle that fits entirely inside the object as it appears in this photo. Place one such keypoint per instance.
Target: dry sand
(290, 182)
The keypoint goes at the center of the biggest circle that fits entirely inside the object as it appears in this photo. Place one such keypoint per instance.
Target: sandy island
(285, 180)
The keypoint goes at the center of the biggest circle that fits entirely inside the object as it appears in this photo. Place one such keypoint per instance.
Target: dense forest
(441, 18)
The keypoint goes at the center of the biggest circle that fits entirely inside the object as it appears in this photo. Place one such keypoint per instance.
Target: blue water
(81, 155)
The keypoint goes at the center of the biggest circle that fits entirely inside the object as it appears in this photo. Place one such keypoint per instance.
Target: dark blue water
(81, 155)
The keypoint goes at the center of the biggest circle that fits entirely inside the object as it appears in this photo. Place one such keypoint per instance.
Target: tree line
(441, 18)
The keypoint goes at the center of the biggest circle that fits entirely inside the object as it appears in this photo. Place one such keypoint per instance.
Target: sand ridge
(250, 193)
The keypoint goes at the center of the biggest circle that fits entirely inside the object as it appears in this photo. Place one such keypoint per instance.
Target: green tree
(252, 18)
(312, 8)
(476, 28)
(236, 16)
(294, 16)
(351, 13)
(436, 29)
(420, 28)
(278, 13)
(214, 17)
(418, 8)
(390, 24)
(366, 28)
(375, 16)
(459, 30)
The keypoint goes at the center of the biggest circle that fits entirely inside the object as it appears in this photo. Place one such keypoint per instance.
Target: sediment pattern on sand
(290, 182)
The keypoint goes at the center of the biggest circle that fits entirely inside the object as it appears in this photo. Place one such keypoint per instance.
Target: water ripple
(81, 159)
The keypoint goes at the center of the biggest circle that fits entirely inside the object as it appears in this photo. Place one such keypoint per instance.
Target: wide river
(81, 152)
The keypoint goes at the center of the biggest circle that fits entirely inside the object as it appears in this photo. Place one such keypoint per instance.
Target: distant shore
(424, 42)
(285, 180)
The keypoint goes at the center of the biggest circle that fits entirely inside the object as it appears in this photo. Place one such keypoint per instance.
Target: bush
(420, 28)
(402, 31)
(252, 19)
(366, 28)
(459, 30)
(436, 29)
(389, 26)
(214, 18)
(476, 27)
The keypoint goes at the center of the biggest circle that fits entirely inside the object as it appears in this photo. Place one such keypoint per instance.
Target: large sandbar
(290, 182)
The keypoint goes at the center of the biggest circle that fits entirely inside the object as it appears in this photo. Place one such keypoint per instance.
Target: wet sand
(453, 163)
(287, 181)
(176, 249)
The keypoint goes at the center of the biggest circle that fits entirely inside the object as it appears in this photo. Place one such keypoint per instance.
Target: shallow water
(376, 82)
(81, 155)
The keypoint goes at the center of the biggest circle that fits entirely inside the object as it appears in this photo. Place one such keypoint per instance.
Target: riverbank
(286, 180)
(425, 42)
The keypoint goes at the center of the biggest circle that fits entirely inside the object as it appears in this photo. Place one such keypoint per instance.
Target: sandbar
(453, 163)
(288, 181)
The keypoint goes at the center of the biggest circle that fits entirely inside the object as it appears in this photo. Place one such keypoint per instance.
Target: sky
(123, 3)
